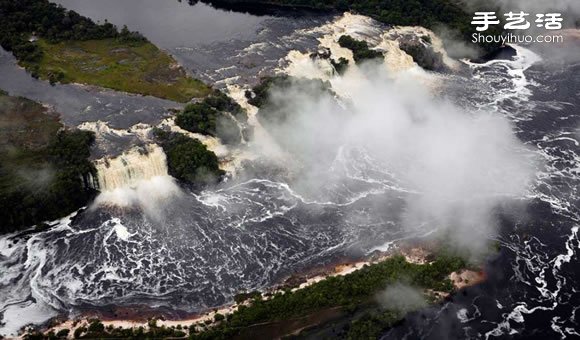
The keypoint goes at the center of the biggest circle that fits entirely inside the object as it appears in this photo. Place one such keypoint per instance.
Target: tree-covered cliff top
(431, 14)
(45, 172)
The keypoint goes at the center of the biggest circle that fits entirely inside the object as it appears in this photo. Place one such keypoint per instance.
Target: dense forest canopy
(360, 49)
(217, 115)
(188, 159)
(431, 14)
(274, 107)
(261, 94)
(198, 118)
(45, 172)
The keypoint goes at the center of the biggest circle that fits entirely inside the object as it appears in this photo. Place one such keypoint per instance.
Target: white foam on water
(462, 315)
(519, 89)
(537, 264)
(6, 248)
(18, 316)
(524, 59)
(212, 199)
(384, 247)
(119, 229)
(23, 299)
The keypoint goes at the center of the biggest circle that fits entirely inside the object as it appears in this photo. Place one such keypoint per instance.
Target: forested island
(274, 108)
(217, 115)
(188, 160)
(45, 171)
(59, 45)
(261, 94)
(360, 49)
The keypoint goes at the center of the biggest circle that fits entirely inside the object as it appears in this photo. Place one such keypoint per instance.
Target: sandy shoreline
(416, 254)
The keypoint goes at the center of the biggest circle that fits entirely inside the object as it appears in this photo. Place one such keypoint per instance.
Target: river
(194, 250)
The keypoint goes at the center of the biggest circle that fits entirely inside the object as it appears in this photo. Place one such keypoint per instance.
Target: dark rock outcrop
(422, 52)
(502, 53)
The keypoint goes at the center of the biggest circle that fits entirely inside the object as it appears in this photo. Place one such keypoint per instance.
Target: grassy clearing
(136, 67)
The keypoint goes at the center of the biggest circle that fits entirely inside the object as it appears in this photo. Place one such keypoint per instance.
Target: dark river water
(205, 247)
(172, 25)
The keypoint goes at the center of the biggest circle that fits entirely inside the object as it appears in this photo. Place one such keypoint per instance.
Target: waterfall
(387, 40)
(136, 178)
(131, 167)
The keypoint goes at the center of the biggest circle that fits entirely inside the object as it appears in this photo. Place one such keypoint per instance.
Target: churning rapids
(190, 251)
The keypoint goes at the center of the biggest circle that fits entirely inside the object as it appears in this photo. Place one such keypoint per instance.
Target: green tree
(189, 160)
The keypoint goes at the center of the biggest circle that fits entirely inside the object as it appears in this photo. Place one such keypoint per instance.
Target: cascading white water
(128, 169)
(397, 62)
(138, 177)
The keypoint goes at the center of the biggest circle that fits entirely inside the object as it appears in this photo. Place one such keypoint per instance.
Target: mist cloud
(152, 196)
(36, 179)
(401, 298)
(456, 166)
(455, 46)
